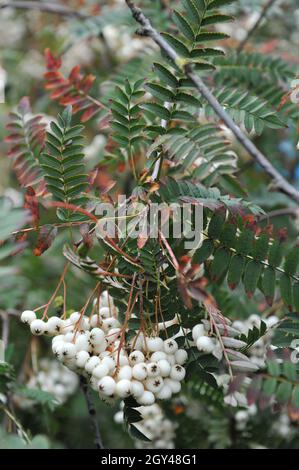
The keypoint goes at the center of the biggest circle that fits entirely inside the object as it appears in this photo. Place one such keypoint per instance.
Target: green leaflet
(204, 252)
(252, 274)
(268, 284)
(63, 167)
(220, 263)
(286, 290)
(235, 272)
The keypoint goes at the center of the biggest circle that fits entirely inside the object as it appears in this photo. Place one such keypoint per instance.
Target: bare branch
(54, 8)
(256, 25)
(147, 30)
(288, 211)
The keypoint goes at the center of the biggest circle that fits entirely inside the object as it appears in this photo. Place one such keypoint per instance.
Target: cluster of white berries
(53, 378)
(154, 425)
(201, 334)
(94, 347)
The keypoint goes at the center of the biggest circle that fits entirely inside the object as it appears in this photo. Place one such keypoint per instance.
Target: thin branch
(53, 8)
(256, 25)
(287, 211)
(147, 30)
(92, 413)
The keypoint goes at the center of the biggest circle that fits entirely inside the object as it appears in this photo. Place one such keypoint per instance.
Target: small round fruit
(154, 384)
(137, 389)
(146, 399)
(205, 344)
(125, 372)
(181, 356)
(174, 385)
(106, 386)
(165, 393)
(198, 331)
(140, 371)
(82, 343)
(170, 346)
(165, 367)
(136, 357)
(81, 358)
(92, 362)
(104, 312)
(97, 336)
(68, 351)
(55, 325)
(154, 344)
(177, 372)
(119, 417)
(109, 323)
(158, 356)
(100, 371)
(153, 369)
(171, 359)
(110, 362)
(37, 327)
(123, 388)
(28, 316)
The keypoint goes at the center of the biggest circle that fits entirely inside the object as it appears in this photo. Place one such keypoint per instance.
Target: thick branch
(92, 413)
(256, 25)
(46, 7)
(147, 29)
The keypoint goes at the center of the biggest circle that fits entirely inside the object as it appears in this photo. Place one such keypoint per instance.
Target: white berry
(181, 356)
(154, 344)
(140, 371)
(123, 388)
(205, 344)
(37, 327)
(28, 316)
(106, 386)
(170, 346)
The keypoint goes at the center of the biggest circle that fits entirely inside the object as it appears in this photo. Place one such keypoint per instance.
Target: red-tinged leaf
(20, 243)
(74, 75)
(264, 402)
(141, 241)
(121, 167)
(102, 180)
(45, 239)
(24, 105)
(86, 235)
(87, 83)
(60, 92)
(52, 62)
(89, 113)
(31, 204)
(104, 122)
(236, 383)
(72, 100)
(254, 390)
(13, 138)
